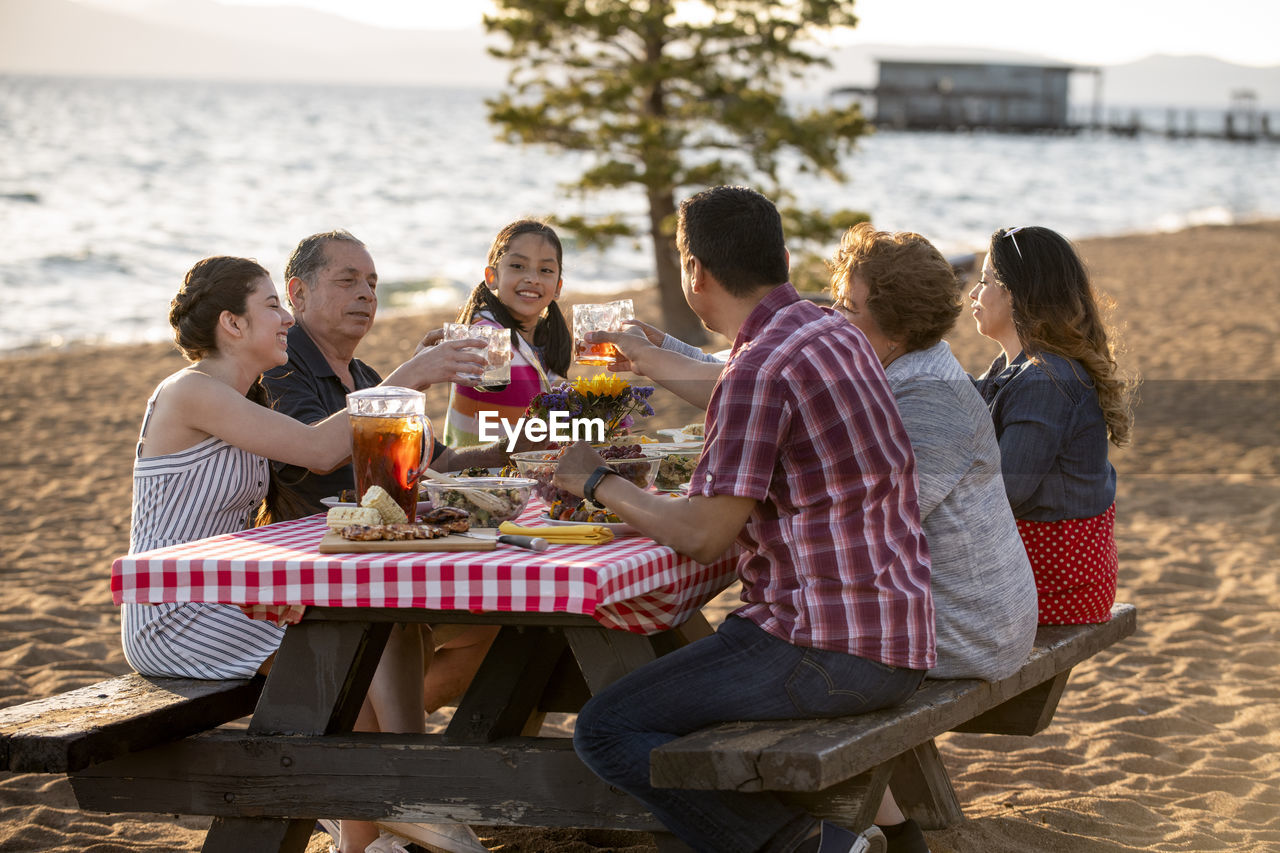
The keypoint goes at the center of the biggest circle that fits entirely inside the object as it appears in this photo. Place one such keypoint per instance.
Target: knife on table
(533, 543)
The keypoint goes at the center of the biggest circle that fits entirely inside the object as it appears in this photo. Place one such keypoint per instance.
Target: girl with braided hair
(522, 283)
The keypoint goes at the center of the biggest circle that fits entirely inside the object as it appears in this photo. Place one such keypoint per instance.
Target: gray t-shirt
(984, 593)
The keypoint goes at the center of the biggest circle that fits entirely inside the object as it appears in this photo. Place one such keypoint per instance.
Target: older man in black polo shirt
(331, 284)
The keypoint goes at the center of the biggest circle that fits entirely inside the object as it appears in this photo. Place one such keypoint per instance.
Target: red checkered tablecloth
(274, 572)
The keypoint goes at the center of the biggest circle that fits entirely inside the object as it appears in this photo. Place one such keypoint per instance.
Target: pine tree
(673, 104)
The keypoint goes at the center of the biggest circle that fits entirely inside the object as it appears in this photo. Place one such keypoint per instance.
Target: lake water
(111, 189)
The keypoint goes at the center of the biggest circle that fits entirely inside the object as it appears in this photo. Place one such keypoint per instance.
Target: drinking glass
(390, 433)
(599, 317)
(497, 373)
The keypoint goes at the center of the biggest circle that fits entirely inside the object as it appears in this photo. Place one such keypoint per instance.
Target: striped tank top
(205, 490)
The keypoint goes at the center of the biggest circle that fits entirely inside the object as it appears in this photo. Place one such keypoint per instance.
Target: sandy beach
(1169, 741)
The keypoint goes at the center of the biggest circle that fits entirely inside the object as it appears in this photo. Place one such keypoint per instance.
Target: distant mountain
(203, 39)
(206, 39)
(1188, 81)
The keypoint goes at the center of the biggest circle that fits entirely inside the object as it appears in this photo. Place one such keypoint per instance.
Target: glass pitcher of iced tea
(390, 437)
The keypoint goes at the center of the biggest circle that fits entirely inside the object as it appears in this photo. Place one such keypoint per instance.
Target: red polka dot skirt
(1075, 565)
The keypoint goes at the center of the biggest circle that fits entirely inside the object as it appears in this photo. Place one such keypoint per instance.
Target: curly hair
(1055, 310)
(213, 285)
(551, 332)
(914, 294)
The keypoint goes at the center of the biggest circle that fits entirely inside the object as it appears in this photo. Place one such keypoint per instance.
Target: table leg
(239, 834)
(923, 789)
(506, 689)
(515, 674)
(316, 686)
(606, 655)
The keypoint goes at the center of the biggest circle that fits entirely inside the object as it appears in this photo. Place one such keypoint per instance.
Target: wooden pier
(1012, 98)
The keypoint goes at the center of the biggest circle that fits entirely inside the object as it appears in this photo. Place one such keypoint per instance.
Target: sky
(1077, 31)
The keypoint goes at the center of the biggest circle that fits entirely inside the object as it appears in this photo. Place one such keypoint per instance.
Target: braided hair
(210, 287)
(213, 285)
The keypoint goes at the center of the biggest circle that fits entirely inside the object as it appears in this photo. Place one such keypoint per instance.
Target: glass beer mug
(390, 437)
(598, 317)
(497, 372)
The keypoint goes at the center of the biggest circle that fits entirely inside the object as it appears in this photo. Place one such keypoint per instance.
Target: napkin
(568, 534)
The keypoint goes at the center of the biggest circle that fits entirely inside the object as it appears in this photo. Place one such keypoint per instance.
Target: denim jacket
(1053, 438)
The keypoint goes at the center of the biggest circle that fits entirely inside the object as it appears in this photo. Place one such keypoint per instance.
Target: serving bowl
(540, 465)
(489, 501)
(677, 464)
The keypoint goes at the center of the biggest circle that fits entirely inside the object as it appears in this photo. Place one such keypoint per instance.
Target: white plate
(619, 529)
(675, 446)
(679, 435)
(423, 506)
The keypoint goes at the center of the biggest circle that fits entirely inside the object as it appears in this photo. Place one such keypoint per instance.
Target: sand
(1166, 742)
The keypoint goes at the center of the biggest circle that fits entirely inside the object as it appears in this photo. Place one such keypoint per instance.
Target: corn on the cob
(388, 509)
(341, 516)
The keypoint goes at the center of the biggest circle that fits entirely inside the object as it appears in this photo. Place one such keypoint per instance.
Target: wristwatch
(593, 480)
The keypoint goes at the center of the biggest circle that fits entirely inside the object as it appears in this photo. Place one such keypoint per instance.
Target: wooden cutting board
(332, 543)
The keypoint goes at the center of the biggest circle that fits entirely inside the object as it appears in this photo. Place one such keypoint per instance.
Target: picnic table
(573, 619)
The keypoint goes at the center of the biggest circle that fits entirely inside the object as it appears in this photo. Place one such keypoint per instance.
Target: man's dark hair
(736, 233)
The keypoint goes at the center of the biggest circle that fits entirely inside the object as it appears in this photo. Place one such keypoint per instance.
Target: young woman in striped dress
(201, 470)
(522, 281)
(1056, 398)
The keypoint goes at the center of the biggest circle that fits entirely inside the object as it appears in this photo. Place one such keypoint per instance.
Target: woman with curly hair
(1056, 399)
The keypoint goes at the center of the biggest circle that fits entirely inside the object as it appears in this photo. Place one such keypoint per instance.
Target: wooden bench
(74, 730)
(838, 768)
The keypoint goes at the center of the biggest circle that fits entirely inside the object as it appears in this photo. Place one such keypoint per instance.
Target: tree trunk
(678, 318)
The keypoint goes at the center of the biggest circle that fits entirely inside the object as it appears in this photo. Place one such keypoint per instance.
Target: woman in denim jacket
(1056, 400)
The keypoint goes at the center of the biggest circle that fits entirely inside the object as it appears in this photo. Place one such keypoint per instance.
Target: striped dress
(206, 490)
(528, 379)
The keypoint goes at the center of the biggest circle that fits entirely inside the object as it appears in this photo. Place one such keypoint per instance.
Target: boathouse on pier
(954, 95)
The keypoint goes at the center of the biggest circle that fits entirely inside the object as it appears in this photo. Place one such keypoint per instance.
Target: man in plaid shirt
(807, 467)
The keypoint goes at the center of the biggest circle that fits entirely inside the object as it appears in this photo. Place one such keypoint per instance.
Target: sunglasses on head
(1009, 232)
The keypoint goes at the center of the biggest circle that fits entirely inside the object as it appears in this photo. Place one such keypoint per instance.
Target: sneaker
(873, 840)
(436, 837)
(388, 843)
(837, 839)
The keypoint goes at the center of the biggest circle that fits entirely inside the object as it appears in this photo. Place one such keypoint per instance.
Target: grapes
(622, 451)
(637, 472)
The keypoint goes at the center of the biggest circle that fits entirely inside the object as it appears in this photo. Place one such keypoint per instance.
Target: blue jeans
(739, 673)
